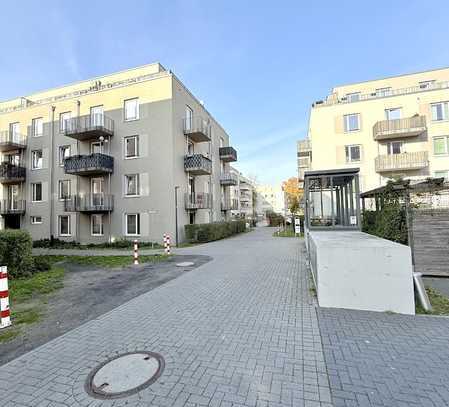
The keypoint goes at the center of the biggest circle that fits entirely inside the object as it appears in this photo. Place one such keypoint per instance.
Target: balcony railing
(10, 140)
(197, 128)
(11, 173)
(245, 197)
(408, 127)
(304, 146)
(197, 164)
(403, 161)
(228, 204)
(228, 154)
(228, 178)
(200, 200)
(89, 203)
(91, 164)
(88, 127)
(12, 206)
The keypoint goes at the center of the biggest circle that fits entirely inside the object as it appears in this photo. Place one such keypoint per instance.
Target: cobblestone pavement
(238, 331)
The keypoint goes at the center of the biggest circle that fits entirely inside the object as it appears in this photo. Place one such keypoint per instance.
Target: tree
(292, 193)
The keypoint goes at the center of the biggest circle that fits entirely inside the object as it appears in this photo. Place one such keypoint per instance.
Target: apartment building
(128, 155)
(270, 199)
(389, 128)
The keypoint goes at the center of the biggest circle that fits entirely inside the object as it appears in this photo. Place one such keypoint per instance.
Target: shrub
(274, 219)
(15, 252)
(41, 263)
(207, 232)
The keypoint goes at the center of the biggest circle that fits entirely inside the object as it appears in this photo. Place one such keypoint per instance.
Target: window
(36, 220)
(132, 185)
(188, 119)
(96, 147)
(393, 114)
(131, 146)
(97, 225)
(190, 148)
(426, 84)
(37, 126)
(352, 122)
(64, 189)
(131, 109)
(440, 145)
(440, 111)
(64, 152)
(64, 225)
(96, 116)
(353, 97)
(132, 224)
(14, 130)
(64, 121)
(352, 153)
(395, 147)
(381, 92)
(36, 159)
(36, 192)
(442, 174)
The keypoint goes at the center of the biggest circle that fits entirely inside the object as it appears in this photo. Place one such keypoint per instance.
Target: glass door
(97, 116)
(13, 197)
(14, 129)
(97, 191)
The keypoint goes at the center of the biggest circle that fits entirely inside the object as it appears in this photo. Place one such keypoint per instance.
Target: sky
(257, 65)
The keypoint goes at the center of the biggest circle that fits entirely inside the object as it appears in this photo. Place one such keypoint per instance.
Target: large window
(440, 111)
(132, 185)
(395, 147)
(36, 159)
(64, 121)
(131, 109)
(188, 118)
(37, 126)
(64, 152)
(353, 97)
(131, 146)
(14, 129)
(352, 153)
(36, 192)
(132, 224)
(393, 114)
(64, 225)
(97, 225)
(441, 145)
(352, 122)
(64, 189)
(382, 92)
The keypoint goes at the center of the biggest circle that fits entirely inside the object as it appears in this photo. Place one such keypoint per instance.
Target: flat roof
(337, 171)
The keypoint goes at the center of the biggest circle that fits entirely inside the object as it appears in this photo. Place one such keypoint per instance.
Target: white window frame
(137, 110)
(391, 109)
(136, 147)
(382, 92)
(69, 225)
(444, 110)
(33, 192)
(63, 117)
(62, 156)
(137, 215)
(426, 84)
(100, 216)
(446, 152)
(446, 175)
(34, 220)
(37, 127)
(60, 184)
(346, 121)
(348, 157)
(137, 176)
(39, 162)
(390, 145)
(353, 96)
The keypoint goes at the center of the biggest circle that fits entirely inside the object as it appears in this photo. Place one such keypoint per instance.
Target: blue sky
(257, 65)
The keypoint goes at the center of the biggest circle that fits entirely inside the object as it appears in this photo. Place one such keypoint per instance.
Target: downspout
(51, 158)
(77, 214)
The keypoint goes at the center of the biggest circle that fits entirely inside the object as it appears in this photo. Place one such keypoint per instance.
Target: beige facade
(389, 128)
(270, 199)
(104, 159)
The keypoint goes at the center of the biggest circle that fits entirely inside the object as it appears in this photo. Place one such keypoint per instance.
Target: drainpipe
(77, 214)
(50, 157)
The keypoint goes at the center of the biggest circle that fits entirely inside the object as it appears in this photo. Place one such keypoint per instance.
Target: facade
(270, 199)
(396, 127)
(127, 155)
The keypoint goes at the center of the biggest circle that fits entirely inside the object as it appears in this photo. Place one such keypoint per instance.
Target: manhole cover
(124, 374)
(185, 264)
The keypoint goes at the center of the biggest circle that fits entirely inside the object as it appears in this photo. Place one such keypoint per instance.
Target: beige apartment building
(389, 128)
(129, 155)
(270, 199)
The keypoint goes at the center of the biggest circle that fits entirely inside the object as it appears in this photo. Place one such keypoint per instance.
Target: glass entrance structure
(332, 199)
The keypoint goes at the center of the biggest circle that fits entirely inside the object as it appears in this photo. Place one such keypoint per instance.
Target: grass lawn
(285, 233)
(106, 261)
(440, 303)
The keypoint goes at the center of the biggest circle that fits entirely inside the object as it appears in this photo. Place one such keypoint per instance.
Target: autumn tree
(292, 193)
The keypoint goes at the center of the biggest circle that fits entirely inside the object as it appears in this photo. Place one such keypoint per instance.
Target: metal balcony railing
(228, 178)
(403, 161)
(10, 140)
(407, 127)
(91, 164)
(197, 164)
(88, 127)
(12, 206)
(11, 173)
(89, 203)
(229, 204)
(227, 154)
(201, 200)
(197, 128)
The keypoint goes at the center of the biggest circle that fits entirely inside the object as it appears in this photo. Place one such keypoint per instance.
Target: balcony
(11, 173)
(304, 146)
(404, 161)
(88, 127)
(228, 178)
(197, 164)
(398, 128)
(197, 129)
(198, 201)
(245, 197)
(92, 203)
(227, 154)
(92, 164)
(12, 141)
(12, 207)
(228, 204)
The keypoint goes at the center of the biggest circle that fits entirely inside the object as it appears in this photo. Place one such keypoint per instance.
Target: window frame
(444, 110)
(383, 92)
(348, 148)
(390, 147)
(69, 148)
(69, 226)
(390, 109)
(446, 177)
(33, 126)
(33, 220)
(446, 144)
(33, 192)
(33, 167)
(353, 96)
(137, 194)
(136, 147)
(130, 119)
(138, 231)
(60, 183)
(62, 126)
(94, 215)
(346, 121)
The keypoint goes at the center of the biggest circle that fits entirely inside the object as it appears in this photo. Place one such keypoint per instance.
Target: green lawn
(106, 261)
(440, 303)
(285, 233)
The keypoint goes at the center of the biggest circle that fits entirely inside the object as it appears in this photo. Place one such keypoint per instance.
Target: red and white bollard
(5, 319)
(136, 253)
(167, 243)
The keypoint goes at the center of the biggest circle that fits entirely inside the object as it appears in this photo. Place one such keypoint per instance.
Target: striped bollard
(136, 253)
(167, 250)
(5, 319)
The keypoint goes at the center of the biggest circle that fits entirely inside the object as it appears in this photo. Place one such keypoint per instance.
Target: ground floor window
(36, 220)
(64, 225)
(97, 225)
(132, 224)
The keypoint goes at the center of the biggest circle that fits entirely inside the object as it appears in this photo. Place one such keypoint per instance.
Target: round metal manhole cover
(124, 374)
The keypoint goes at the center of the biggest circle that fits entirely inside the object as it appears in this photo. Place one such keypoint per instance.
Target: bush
(207, 232)
(15, 252)
(41, 263)
(389, 223)
(274, 219)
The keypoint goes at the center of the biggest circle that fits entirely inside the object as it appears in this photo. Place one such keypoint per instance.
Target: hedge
(207, 232)
(15, 252)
